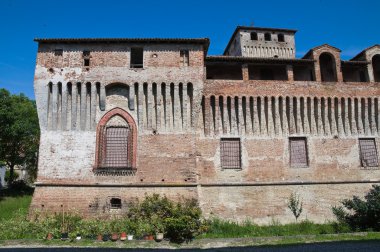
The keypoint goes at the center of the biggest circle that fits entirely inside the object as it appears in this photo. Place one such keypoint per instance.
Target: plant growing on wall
(295, 205)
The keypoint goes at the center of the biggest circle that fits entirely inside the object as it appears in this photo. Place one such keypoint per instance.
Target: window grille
(230, 153)
(368, 153)
(298, 152)
(116, 148)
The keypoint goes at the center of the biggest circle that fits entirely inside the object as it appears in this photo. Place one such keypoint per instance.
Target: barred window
(230, 153)
(298, 152)
(368, 152)
(116, 144)
(116, 147)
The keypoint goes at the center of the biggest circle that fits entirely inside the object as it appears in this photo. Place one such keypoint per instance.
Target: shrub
(361, 214)
(179, 221)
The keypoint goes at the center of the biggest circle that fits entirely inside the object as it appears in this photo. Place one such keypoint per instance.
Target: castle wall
(181, 118)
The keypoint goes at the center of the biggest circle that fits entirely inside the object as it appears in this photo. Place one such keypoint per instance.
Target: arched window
(267, 36)
(281, 37)
(376, 67)
(253, 35)
(327, 67)
(116, 143)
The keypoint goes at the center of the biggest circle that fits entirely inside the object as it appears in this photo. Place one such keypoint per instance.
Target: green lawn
(12, 206)
(228, 229)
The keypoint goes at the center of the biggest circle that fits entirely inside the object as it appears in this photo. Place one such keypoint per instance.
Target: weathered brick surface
(264, 204)
(180, 118)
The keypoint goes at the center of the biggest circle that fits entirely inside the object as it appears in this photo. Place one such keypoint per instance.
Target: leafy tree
(19, 134)
(361, 214)
(295, 205)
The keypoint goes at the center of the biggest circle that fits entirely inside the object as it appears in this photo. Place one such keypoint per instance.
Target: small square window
(137, 57)
(368, 152)
(298, 152)
(253, 36)
(230, 153)
(281, 37)
(115, 203)
(267, 36)
(58, 52)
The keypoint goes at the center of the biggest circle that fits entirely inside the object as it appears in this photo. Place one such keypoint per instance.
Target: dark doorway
(327, 67)
(376, 67)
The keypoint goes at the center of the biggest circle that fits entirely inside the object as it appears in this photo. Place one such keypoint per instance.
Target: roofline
(254, 59)
(204, 41)
(320, 46)
(265, 29)
(363, 51)
(254, 28)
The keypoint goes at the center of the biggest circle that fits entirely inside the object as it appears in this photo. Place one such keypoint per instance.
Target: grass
(13, 206)
(14, 209)
(228, 229)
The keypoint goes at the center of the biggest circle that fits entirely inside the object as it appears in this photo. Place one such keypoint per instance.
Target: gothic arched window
(116, 143)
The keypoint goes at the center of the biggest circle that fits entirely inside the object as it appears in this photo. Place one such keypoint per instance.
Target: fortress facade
(240, 132)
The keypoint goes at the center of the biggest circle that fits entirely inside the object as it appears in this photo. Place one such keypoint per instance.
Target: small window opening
(267, 36)
(137, 55)
(115, 203)
(230, 153)
(253, 35)
(58, 52)
(281, 37)
(87, 62)
(86, 58)
(298, 152)
(184, 54)
(368, 152)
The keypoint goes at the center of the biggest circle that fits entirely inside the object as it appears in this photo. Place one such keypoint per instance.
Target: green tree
(20, 133)
(361, 214)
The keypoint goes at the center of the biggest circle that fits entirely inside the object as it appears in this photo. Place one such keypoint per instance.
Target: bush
(361, 214)
(179, 221)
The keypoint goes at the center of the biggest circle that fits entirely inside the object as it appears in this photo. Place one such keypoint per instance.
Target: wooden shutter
(298, 152)
(368, 153)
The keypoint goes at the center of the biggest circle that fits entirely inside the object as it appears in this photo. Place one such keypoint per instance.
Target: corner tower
(261, 42)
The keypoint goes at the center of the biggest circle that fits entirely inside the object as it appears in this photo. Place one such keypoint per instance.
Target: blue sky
(350, 25)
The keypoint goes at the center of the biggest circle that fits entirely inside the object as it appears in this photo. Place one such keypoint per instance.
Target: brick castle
(240, 132)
